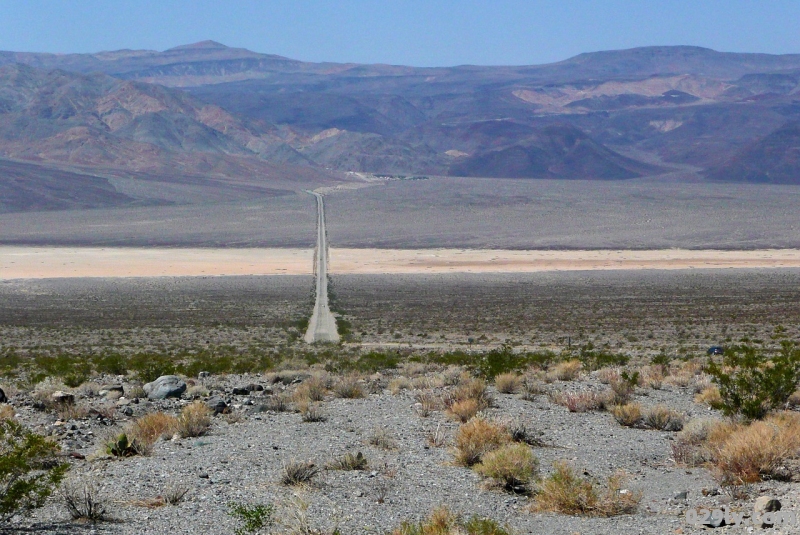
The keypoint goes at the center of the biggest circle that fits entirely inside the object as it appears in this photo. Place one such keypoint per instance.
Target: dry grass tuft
(147, 429)
(312, 389)
(710, 396)
(399, 384)
(508, 383)
(382, 439)
(470, 388)
(427, 402)
(478, 437)
(348, 387)
(444, 522)
(298, 473)
(663, 418)
(513, 465)
(310, 412)
(7, 412)
(628, 415)
(566, 492)
(463, 411)
(195, 419)
(565, 371)
(580, 401)
(348, 461)
(750, 453)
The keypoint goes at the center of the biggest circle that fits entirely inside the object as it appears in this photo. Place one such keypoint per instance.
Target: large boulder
(166, 386)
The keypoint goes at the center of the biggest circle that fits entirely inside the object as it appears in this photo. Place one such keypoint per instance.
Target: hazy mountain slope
(559, 151)
(27, 187)
(775, 159)
(98, 121)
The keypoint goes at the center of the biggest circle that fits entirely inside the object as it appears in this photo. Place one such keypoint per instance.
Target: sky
(412, 32)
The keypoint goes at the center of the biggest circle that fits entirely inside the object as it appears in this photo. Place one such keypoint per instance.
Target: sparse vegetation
(567, 492)
(297, 473)
(348, 461)
(252, 517)
(752, 385)
(628, 415)
(512, 465)
(84, 502)
(29, 469)
(478, 437)
(444, 522)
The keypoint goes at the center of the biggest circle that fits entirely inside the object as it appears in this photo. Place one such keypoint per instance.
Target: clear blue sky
(421, 33)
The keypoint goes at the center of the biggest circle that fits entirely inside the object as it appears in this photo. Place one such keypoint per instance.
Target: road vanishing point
(322, 325)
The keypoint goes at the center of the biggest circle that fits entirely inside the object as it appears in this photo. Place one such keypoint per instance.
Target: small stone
(681, 496)
(203, 375)
(241, 391)
(203, 476)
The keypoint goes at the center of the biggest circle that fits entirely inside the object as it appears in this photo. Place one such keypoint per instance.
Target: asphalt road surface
(322, 325)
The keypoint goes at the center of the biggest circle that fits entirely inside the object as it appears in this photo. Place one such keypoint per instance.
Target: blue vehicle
(715, 350)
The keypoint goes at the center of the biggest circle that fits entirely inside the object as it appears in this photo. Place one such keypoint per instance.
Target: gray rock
(166, 386)
(217, 405)
(203, 375)
(763, 505)
(62, 398)
(241, 391)
(681, 496)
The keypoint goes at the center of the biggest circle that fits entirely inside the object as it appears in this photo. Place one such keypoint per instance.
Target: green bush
(254, 518)
(149, 366)
(29, 469)
(751, 385)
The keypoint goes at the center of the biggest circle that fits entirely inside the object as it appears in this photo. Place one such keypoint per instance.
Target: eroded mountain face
(210, 110)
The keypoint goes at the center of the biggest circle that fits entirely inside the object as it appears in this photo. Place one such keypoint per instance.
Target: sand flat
(59, 262)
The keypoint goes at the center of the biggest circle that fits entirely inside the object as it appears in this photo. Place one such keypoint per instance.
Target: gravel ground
(243, 461)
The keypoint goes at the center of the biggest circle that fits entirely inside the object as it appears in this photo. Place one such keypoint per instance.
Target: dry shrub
(470, 389)
(348, 461)
(399, 384)
(437, 438)
(84, 502)
(444, 522)
(478, 437)
(710, 396)
(312, 389)
(463, 411)
(68, 411)
(680, 379)
(746, 454)
(566, 492)
(7, 412)
(427, 402)
(412, 369)
(607, 375)
(277, 403)
(147, 429)
(663, 418)
(568, 370)
(197, 391)
(297, 473)
(653, 376)
(195, 419)
(348, 387)
(580, 401)
(428, 381)
(310, 412)
(628, 415)
(382, 439)
(513, 465)
(508, 383)
(531, 387)
(688, 448)
(701, 382)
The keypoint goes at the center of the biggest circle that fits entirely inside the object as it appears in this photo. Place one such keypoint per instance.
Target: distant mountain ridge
(210, 111)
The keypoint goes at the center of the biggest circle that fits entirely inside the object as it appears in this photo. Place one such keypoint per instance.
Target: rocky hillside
(247, 112)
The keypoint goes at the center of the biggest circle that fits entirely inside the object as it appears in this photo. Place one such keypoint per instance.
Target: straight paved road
(322, 325)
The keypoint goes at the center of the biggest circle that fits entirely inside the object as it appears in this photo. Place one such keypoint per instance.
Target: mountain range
(268, 125)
